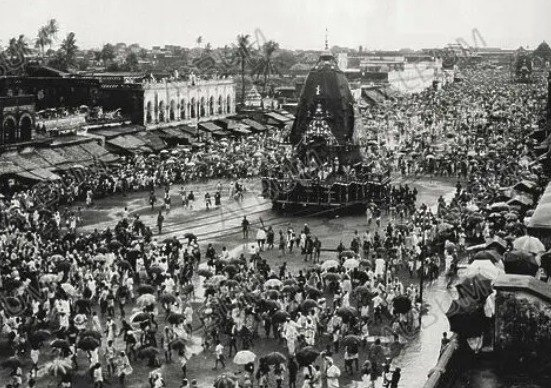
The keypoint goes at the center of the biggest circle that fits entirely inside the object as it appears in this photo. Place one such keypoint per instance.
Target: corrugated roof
(152, 140)
(110, 133)
(8, 167)
(77, 155)
(255, 125)
(175, 133)
(35, 158)
(53, 157)
(99, 152)
(23, 162)
(209, 127)
(127, 142)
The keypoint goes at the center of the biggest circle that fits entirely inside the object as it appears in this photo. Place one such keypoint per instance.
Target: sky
(295, 24)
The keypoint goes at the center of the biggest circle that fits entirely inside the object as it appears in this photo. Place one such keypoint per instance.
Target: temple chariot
(327, 170)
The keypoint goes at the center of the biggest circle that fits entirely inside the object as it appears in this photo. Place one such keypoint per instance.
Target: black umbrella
(60, 344)
(402, 304)
(520, 263)
(466, 317)
(175, 318)
(476, 287)
(91, 333)
(493, 256)
(312, 292)
(145, 289)
(148, 352)
(88, 343)
(280, 316)
(309, 304)
(167, 298)
(274, 358)
(546, 262)
(307, 356)
(12, 363)
(64, 266)
(347, 312)
(352, 341)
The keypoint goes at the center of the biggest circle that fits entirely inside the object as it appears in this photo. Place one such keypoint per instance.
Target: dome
(326, 86)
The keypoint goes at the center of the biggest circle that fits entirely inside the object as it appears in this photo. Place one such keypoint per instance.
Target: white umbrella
(329, 264)
(530, 244)
(485, 268)
(244, 357)
(351, 263)
(273, 283)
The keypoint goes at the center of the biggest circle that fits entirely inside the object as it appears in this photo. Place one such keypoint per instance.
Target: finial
(326, 39)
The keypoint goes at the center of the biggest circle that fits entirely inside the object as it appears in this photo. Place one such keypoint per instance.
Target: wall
(168, 102)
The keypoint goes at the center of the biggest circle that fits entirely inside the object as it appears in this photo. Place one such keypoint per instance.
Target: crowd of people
(113, 300)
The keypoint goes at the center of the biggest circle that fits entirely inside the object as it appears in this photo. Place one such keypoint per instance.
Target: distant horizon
(295, 25)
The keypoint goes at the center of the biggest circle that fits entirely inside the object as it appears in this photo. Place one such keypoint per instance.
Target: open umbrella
(280, 316)
(466, 317)
(290, 288)
(224, 381)
(48, 278)
(64, 266)
(493, 256)
(140, 317)
(205, 273)
(402, 304)
(362, 291)
(40, 335)
(148, 352)
(352, 341)
(12, 363)
(178, 344)
(309, 304)
(88, 343)
(167, 298)
(69, 289)
(273, 283)
(59, 366)
(351, 263)
(91, 333)
(274, 358)
(312, 292)
(290, 282)
(347, 312)
(331, 276)
(216, 280)
(329, 264)
(244, 357)
(485, 268)
(520, 263)
(60, 344)
(306, 356)
(529, 244)
(476, 287)
(146, 300)
(175, 318)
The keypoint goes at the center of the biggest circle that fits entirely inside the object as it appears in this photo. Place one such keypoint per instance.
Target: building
(169, 102)
(17, 119)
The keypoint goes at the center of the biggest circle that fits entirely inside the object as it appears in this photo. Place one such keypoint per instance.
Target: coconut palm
(69, 49)
(52, 28)
(42, 40)
(266, 65)
(243, 55)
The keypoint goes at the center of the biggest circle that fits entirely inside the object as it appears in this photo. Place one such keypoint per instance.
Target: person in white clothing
(333, 373)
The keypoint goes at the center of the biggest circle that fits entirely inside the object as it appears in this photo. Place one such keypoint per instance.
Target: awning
(174, 133)
(8, 167)
(99, 152)
(35, 158)
(254, 125)
(127, 142)
(45, 174)
(110, 133)
(78, 155)
(29, 175)
(53, 157)
(24, 163)
(151, 140)
(277, 117)
(209, 127)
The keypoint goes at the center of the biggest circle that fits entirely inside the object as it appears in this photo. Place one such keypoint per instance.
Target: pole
(422, 277)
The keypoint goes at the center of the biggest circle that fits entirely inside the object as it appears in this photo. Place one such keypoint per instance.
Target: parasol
(520, 263)
(280, 316)
(244, 357)
(146, 300)
(309, 304)
(329, 264)
(466, 317)
(476, 287)
(351, 263)
(402, 304)
(307, 356)
(273, 283)
(529, 244)
(88, 343)
(274, 358)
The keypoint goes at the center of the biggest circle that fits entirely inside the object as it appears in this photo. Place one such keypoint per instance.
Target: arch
(162, 111)
(211, 106)
(228, 104)
(193, 111)
(183, 109)
(202, 110)
(149, 112)
(172, 111)
(220, 105)
(25, 127)
(9, 127)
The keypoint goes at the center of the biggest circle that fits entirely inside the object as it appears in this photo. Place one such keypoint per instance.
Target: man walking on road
(160, 219)
(245, 226)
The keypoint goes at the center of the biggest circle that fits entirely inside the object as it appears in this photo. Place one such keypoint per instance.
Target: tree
(132, 61)
(107, 54)
(199, 40)
(18, 47)
(42, 40)
(266, 65)
(69, 49)
(243, 54)
(543, 51)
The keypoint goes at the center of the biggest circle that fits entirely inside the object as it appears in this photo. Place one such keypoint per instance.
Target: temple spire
(326, 39)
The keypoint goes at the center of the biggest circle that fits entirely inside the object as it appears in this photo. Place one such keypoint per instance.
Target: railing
(447, 367)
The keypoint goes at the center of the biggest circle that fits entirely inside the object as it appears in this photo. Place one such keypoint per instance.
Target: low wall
(449, 367)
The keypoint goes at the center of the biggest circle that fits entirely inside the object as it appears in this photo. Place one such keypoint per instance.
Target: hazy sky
(374, 24)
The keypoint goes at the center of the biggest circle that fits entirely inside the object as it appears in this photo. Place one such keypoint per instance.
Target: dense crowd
(115, 299)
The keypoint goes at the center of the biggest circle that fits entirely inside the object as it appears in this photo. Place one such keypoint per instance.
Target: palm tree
(52, 28)
(69, 49)
(107, 54)
(266, 64)
(43, 38)
(243, 54)
(199, 40)
(18, 47)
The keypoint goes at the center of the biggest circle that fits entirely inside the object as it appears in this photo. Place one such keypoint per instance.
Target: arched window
(220, 105)
(193, 111)
(26, 125)
(161, 111)
(172, 114)
(211, 106)
(183, 109)
(149, 113)
(10, 130)
(228, 104)
(202, 110)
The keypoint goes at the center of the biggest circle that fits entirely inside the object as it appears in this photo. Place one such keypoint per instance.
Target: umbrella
(529, 244)
(59, 366)
(167, 298)
(140, 317)
(187, 288)
(64, 266)
(520, 263)
(546, 262)
(306, 356)
(347, 312)
(402, 304)
(178, 344)
(148, 352)
(309, 304)
(155, 269)
(146, 300)
(40, 335)
(272, 294)
(472, 207)
(362, 291)
(83, 304)
(175, 318)
(244, 357)
(290, 282)
(331, 276)
(329, 264)
(274, 358)
(280, 316)
(290, 288)
(48, 278)
(114, 245)
(499, 206)
(485, 268)
(312, 292)
(493, 256)
(466, 317)
(12, 363)
(352, 341)
(233, 283)
(88, 343)
(348, 254)
(224, 381)
(216, 280)
(205, 273)
(273, 283)
(60, 344)
(476, 287)
(125, 264)
(91, 333)
(351, 263)
(69, 289)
